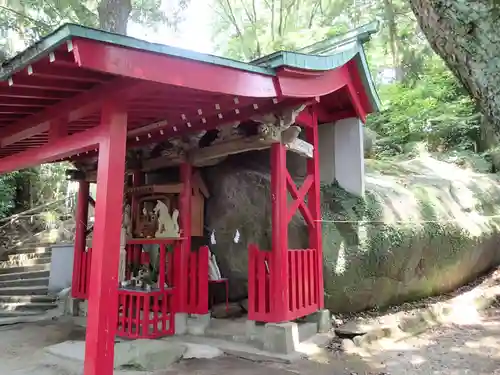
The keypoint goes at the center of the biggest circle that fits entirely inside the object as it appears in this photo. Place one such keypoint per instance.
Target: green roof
(340, 50)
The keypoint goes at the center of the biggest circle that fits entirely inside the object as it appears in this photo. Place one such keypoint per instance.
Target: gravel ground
(447, 350)
(472, 348)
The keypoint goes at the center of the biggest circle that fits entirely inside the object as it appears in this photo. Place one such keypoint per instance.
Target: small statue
(168, 226)
(213, 268)
(127, 222)
(123, 256)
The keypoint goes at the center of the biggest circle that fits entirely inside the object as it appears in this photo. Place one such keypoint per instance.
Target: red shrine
(81, 94)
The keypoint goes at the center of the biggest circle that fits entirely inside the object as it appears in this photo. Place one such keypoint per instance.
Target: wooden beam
(71, 109)
(161, 162)
(301, 147)
(171, 70)
(59, 149)
(231, 147)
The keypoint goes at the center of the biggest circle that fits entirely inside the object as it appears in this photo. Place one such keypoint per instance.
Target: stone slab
(150, 355)
(201, 351)
(311, 348)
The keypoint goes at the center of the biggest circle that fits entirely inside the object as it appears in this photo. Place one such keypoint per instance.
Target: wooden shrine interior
(146, 196)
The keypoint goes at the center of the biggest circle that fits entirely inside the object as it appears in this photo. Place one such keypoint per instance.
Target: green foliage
(434, 109)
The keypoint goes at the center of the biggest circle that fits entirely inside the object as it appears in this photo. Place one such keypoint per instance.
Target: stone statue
(168, 226)
(123, 256)
(127, 221)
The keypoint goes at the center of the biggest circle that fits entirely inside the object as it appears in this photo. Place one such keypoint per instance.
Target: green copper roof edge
(368, 80)
(361, 34)
(308, 62)
(329, 62)
(34, 52)
(68, 31)
(130, 42)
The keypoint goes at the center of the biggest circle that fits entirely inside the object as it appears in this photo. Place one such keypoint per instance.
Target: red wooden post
(185, 221)
(314, 203)
(81, 218)
(103, 302)
(279, 266)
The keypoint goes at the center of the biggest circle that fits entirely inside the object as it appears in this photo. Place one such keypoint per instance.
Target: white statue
(213, 268)
(168, 226)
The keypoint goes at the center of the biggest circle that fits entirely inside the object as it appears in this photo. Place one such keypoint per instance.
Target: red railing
(197, 281)
(301, 285)
(259, 299)
(302, 282)
(81, 274)
(144, 314)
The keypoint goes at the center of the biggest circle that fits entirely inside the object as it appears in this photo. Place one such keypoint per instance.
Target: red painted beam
(27, 102)
(301, 84)
(47, 84)
(279, 240)
(103, 290)
(73, 109)
(25, 93)
(59, 149)
(171, 70)
(164, 131)
(357, 92)
(46, 70)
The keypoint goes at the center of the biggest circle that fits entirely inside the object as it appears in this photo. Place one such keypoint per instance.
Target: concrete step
(23, 299)
(32, 249)
(24, 269)
(24, 275)
(10, 314)
(40, 281)
(24, 262)
(18, 258)
(24, 290)
(27, 306)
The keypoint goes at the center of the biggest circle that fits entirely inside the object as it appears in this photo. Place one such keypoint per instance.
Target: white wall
(341, 154)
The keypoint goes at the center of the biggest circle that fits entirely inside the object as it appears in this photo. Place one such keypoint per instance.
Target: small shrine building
(94, 99)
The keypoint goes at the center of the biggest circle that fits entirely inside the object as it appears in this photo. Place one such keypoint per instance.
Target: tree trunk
(114, 14)
(393, 38)
(466, 34)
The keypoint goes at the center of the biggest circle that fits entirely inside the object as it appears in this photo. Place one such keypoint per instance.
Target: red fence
(259, 299)
(197, 282)
(302, 285)
(145, 314)
(81, 274)
(302, 282)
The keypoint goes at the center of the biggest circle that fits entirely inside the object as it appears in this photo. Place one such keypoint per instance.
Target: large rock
(422, 229)
(239, 213)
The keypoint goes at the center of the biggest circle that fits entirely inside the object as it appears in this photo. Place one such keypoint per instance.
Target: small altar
(160, 275)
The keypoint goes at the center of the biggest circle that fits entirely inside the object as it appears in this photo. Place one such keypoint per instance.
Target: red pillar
(279, 262)
(103, 302)
(81, 219)
(314, 204)
(186, 172)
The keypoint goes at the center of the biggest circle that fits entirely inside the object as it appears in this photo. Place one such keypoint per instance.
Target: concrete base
(181, 320)
(323, 318)
(197, 324)
(149, 355)
(281, 337)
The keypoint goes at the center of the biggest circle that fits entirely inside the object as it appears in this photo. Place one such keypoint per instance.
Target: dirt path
(453, 350)
(472, 348)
